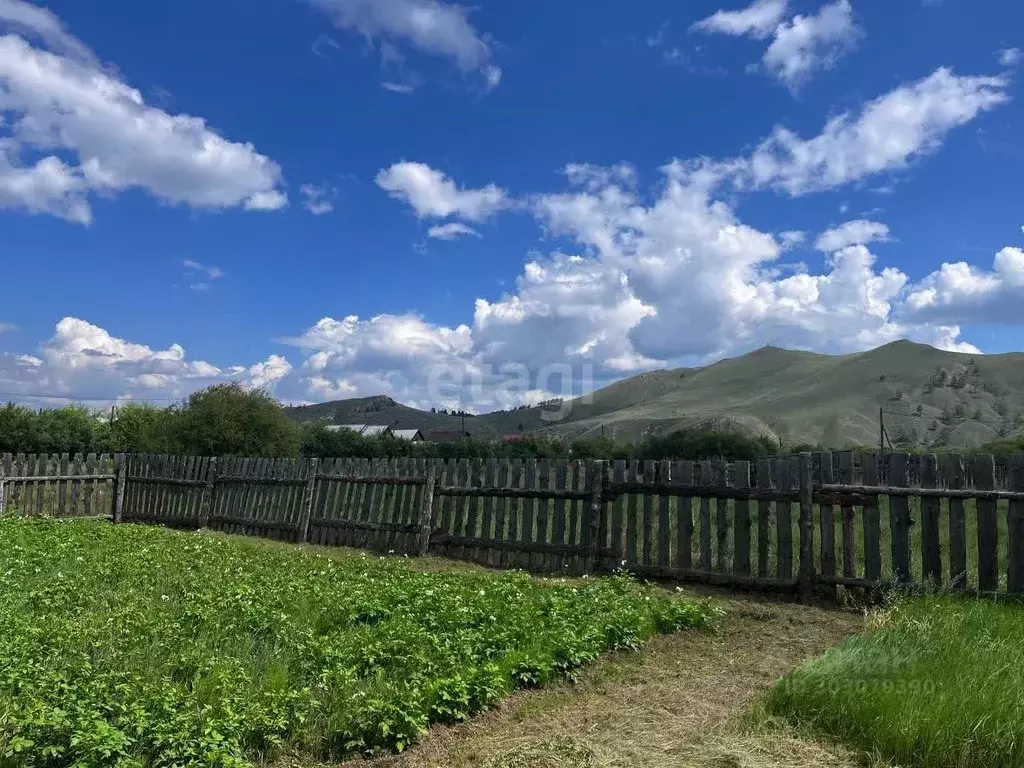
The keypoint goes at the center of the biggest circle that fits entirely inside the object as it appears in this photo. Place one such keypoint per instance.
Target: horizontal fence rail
(806, 523)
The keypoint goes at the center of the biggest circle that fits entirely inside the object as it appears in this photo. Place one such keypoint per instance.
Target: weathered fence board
(705, 522)
(741, 527)
(954, 470)
(988, 525)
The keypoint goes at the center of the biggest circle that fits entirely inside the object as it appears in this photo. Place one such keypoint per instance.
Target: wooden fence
(804, 523)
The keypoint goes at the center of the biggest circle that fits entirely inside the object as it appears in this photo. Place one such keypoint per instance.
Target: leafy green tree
(228, 420)
(705, 444)
(19, 429)
(71, 429)
(143, 428)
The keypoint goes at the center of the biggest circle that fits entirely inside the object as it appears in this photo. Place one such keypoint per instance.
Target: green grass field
(936, 682)
(137, 646)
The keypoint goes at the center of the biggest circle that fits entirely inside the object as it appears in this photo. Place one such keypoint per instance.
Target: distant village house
(376, 430)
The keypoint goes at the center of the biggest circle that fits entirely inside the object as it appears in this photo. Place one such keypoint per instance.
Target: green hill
(930, 398)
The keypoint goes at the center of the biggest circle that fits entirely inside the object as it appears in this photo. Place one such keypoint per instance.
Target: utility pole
(881, 431)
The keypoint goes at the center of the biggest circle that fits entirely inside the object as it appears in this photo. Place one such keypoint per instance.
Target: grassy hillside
(384, 410)
(931, 398)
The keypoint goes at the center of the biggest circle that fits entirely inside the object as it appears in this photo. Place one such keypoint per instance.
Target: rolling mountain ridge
(929, 398)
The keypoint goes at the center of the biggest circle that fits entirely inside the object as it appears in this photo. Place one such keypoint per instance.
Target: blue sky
(482, 205)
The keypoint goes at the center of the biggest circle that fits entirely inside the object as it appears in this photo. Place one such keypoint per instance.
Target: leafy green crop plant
(135, 646)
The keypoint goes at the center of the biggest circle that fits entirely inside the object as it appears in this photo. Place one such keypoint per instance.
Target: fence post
(805, 578)
(206, 504)
(427, 509)
(1, 483)
(595, 474)
(307, 499)
(121, 470)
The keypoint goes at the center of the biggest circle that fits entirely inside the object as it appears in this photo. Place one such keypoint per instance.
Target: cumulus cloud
(887, 134)
(758, 20)
(643, 278)
(963, 293)
(104, 138)
(674, 276)
(81, 359)
(857, 232)
(800, 46)
(792, 238)
(39, 23)
(677, 280)
(451, 231)
(432, 194)
(430, 26)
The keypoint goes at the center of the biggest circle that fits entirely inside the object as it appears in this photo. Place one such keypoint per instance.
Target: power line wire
(85, 398)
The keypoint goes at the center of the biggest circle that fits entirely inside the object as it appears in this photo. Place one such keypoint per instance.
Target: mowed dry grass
(685, 700)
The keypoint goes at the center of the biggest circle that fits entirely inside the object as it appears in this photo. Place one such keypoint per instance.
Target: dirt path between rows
(683, 701)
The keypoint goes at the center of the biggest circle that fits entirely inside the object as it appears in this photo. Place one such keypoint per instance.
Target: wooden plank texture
(682, 474)
(705, 518)
(764, 520)
(1015, 530)
(741, 528)
(899, 517)
(931, 511)
(954, 471)
(827, 517)
(784, 520)
(872, 522)
(988, 529)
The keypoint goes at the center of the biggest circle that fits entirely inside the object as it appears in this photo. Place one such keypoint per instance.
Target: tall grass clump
(935, 682)
(135, 646)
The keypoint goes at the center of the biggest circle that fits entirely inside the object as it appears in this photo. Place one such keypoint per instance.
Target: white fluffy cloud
(677, 278)
(432, 26)
(857, 232)
(807, 44)
(886, 135)
(104, 138)
(800, 46)
(395, 355)
(759, 20)
(963, 293)
(432, 194)
(643, 278)
(85, 360)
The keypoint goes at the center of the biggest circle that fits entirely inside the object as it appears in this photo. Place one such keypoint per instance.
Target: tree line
(228, 420)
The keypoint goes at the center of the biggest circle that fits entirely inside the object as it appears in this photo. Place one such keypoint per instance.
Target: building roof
(362, 429)
(407, 434)
(444, 436)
